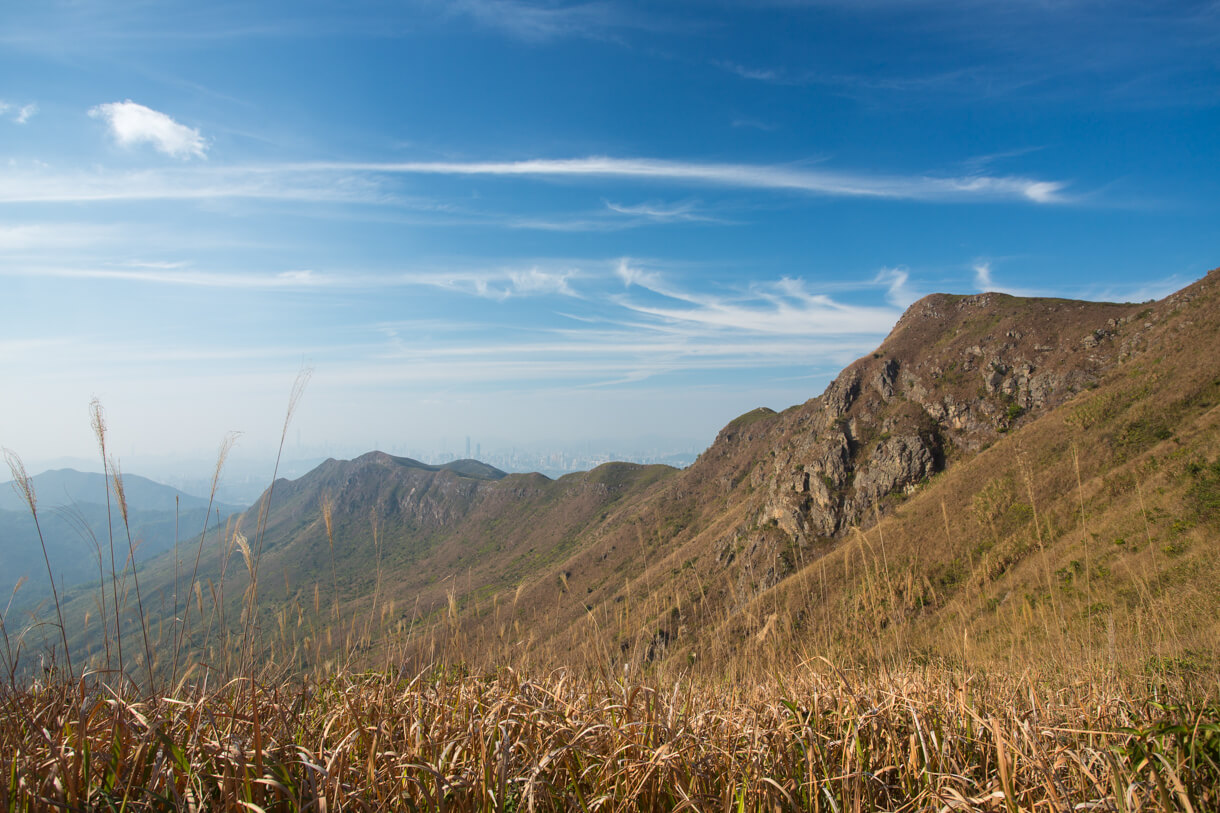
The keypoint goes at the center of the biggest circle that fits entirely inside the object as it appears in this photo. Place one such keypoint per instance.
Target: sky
(610, 224)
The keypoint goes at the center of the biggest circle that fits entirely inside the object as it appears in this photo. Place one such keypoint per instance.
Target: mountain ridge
(77, 525)
(972, 401)
(66, 486)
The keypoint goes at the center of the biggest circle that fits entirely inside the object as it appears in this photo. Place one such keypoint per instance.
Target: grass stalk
(26, 489)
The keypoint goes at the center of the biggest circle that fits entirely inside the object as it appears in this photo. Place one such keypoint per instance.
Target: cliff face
(955, 374)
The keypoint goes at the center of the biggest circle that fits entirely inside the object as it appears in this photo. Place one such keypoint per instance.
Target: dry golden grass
(326, 709)
(504, 741)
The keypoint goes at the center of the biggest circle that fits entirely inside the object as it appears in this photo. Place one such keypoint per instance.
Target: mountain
(66, 487)
(1004, 477)
(74, 517)
(930, 496)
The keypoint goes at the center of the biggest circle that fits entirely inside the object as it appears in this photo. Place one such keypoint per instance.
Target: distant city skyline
(541, 223)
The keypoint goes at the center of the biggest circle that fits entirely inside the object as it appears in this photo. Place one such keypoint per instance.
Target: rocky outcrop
(897, 464)
(955, 373)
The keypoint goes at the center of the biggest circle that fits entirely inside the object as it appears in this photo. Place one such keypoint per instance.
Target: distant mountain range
(1004, 476)
(72, 513)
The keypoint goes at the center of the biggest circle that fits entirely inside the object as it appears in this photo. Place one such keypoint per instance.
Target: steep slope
(955, 434)
(1003, 476)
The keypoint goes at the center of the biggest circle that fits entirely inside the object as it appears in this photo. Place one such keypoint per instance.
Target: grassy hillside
(1067, 520)
(976, 573)
(1003, 479)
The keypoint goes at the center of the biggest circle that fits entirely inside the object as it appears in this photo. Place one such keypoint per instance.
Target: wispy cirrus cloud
(491, 283)
(542, 22)
(131, 123)
(745, 72)
(783, 307)
(23, 237)
(984, 280)
(178, 275)
(43, 185)
(898, 290)
(533, 22)
(528, 282)
(755, 176)
(366, 181)
(660, 212)
(617, 341)
(1123, 53)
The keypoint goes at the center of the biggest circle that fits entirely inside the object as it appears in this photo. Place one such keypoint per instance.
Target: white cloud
(785, 307)
(365, 181)
(898, 293)
(982, 276)
(304, 278)
(632, 275)
(1043, 191)
(500, 283)
(757, 74)
(779, 177)
(132, 123)
(540, 22)
(19, 115)
(57, 236)
(984, 281)
(196, 183)
(175, 274)
(660, 212)
(537, 281)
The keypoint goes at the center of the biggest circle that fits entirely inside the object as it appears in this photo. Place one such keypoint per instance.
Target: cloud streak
(660, 212)
(498, 284)
(750, 176)
(782, 308)
(171, 274)
(537, 23)
(366, 182)
(195, 184)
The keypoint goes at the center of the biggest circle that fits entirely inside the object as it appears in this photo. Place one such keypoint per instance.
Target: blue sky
(564, 223)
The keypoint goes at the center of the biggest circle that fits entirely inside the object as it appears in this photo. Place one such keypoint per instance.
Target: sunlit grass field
(324, 711)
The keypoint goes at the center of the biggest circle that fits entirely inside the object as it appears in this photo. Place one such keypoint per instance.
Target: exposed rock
(883, 381)
(955, 370)
(842, 392)
(897, 463)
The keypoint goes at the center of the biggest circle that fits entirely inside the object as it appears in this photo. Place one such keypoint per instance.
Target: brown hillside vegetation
(977, 572)
(1004, 481)
(1002, 478)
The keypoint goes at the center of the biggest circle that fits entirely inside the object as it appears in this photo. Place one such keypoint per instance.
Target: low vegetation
(816, 740)
(329, 712)
(1032, 628)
